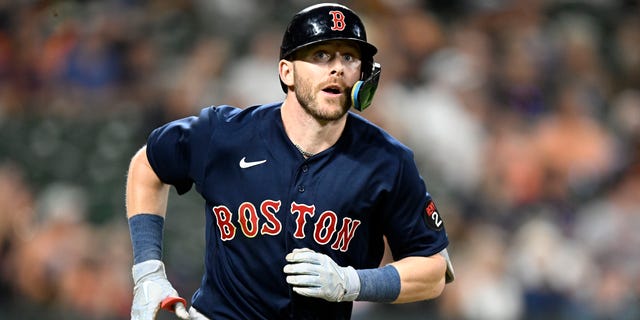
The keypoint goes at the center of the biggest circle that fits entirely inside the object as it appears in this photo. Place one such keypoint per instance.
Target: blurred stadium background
(524, 116)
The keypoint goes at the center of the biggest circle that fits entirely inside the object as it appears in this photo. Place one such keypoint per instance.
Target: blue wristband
(379, 285)
(146, 236)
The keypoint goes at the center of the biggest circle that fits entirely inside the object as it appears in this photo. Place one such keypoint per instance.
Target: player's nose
(337, 66)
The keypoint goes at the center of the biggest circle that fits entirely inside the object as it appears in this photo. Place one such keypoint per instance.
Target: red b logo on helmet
(338, 20)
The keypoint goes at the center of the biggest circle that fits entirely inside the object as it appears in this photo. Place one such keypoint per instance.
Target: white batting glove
(151, 290)
(314, 274)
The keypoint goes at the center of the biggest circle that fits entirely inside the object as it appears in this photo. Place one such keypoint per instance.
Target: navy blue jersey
(263, 199)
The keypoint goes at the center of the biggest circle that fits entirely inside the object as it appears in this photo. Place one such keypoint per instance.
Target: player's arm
(410, 279)
(421, 278)
(145, 192)
(146, 202)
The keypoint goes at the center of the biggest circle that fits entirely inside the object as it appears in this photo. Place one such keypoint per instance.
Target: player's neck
(306, 132)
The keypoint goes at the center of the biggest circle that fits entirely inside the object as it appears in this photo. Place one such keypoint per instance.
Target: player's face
(323, 77)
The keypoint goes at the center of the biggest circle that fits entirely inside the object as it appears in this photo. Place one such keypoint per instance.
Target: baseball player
(299, 195)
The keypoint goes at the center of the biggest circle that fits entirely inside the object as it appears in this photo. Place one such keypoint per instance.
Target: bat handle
(169, 303)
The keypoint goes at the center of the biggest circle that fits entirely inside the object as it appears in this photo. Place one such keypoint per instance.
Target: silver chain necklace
(305, 154)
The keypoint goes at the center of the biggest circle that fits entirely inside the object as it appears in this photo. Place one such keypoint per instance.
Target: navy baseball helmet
(323, 22)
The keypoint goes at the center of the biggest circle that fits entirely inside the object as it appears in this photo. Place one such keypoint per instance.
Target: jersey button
(305, 168)
(301, 189)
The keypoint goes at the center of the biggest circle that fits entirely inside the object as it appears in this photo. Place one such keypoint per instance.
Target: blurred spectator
(550, 266)
(253, 78)
(416, 35)
(626, 45)
(608, 227)
(624, 118)
(521, 58)
(93, 64)
(486, 290)
(444, 129)
(195, 83)
(513, 172)
(577, 151)
(66, 261)
(16, 219)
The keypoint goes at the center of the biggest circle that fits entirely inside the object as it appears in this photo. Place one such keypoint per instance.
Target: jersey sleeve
(413, 225)
(176, 150)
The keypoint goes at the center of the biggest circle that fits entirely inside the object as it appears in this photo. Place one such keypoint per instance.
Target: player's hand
(151, 289)
(314, 274)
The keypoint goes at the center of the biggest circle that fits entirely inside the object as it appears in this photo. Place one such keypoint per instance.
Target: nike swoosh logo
(244, 164)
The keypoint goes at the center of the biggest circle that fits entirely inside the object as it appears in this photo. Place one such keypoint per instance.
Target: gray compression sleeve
(379, 285)
(146, 236)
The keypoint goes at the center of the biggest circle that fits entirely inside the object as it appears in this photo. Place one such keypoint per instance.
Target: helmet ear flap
(363, 91)
(366, 68)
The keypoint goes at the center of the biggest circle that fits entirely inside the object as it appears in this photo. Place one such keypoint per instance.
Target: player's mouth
(333, 90)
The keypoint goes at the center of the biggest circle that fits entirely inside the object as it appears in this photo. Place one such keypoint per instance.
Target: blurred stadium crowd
(524, 116)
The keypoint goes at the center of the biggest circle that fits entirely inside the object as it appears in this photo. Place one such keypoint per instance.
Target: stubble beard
(309, 102)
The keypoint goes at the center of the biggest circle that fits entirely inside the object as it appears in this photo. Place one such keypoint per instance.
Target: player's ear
(285, 68)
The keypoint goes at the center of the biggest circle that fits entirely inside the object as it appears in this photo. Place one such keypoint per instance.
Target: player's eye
(322, 56)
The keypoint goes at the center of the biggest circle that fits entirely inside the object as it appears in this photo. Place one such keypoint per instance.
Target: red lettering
(345, 234)
(268, 209)
(325, 227)
(223, 219)
(249, 225)
(302, 210)
(431, 208)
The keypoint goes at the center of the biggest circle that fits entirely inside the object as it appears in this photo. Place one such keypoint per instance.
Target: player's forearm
(421, 278)
(145, 192)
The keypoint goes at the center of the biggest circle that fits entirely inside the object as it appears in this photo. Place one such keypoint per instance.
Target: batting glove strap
(352, 284)
(150, 289)
(313, 274)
